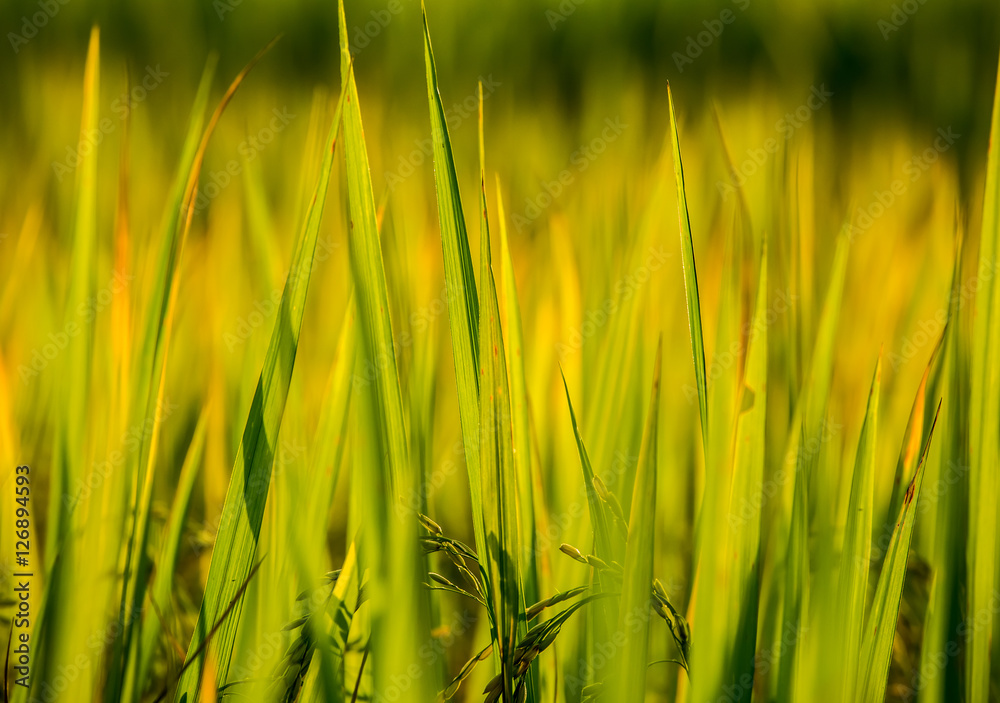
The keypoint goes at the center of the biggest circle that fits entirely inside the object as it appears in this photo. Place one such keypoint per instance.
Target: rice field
(421, 382)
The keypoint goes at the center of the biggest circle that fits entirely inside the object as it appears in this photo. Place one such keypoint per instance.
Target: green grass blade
(499, 477)
(82, 278)
(713, 597)
(914, 437)
(598, 518)
(152, 379)
(634, 614)
(519, 409)
(400, 607)
(147, 374)
(748, 474)
(54, 627)
(327, 454)
(817, 390)
(369, 273)
(795, 605)
(950, 509)
(690, 277)
(607, 546)
(984, 438)
(856, 555)
(330, 684)
(163, 581)
(786, 526)
(880, 627)
(463, 302)
(243, 511)
(510, 311)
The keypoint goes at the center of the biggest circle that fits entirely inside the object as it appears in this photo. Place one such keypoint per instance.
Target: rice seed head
(440, 579)
(495, 685)
(295, 624)
(430, 525)
(609, 499)
(572, 552)
(558, 598)
(599, 563)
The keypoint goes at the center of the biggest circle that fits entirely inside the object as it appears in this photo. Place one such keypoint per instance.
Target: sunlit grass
(691, 430)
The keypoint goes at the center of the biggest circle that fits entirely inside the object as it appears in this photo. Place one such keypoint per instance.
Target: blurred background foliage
(935, 68)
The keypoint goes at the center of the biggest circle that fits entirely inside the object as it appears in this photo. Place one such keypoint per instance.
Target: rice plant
(293, 427)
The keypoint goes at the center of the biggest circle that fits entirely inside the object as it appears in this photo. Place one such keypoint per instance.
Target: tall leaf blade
(243, 510)
(709, 609)
(598, 516)
(151, 381)
(327, 454)
(84, 265)
(400, 607)
(63, 553)
(880, 627)
(785, 528)
(511, 309)
(984, 437)
(856, 555)
(518, 515)
(748, 474)
(633, 618)
(367, 265)
(949, 516)
(460, 282)
(166, 565)
(499, 479)
(690, 276)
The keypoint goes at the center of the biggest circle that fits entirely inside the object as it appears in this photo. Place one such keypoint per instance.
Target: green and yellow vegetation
(681, 427)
